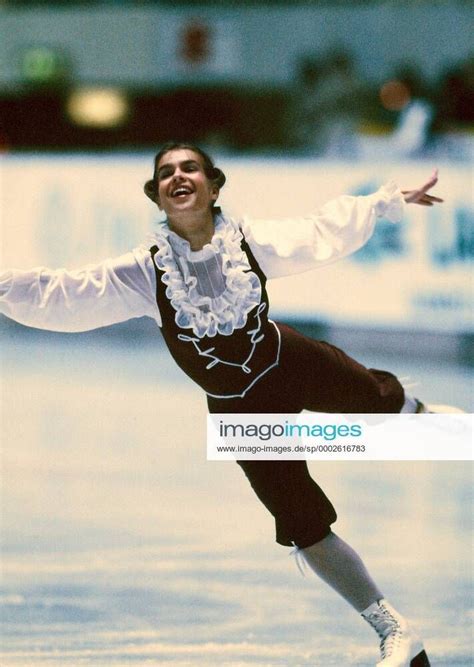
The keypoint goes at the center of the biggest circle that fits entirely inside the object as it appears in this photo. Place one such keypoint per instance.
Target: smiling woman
(202, 278)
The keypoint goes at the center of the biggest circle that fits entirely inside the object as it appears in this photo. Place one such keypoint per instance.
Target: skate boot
(399, 645)
(422, 408)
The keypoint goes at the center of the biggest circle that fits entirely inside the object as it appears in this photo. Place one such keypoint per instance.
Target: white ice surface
(122, 545)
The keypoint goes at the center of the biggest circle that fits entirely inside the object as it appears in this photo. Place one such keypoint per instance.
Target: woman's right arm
(95, 296)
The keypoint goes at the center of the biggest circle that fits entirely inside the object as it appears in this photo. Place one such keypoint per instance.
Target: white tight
(336, 563)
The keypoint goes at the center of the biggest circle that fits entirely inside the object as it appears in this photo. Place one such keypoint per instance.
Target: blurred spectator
(454, 117)
(455, 107)
(303, 116)
(327, 106)
(407, 93)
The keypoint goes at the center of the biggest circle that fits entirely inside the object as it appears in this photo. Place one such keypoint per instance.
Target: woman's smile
(181, 191)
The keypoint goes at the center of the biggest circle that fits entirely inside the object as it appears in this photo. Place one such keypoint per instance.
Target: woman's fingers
(431, 182)
(421, 195)
(430, 199)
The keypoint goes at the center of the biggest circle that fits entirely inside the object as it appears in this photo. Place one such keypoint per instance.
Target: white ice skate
(422, 408)
(399, 644)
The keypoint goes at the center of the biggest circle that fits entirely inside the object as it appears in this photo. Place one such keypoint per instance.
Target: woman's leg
(303, 514)
(317, 376)
(336, 563)
(333, 382)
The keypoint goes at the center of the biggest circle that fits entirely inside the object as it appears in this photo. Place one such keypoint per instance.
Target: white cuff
(390, 202)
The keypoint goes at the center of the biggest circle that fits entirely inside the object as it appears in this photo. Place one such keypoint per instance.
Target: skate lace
(388, 629)
(299, 558)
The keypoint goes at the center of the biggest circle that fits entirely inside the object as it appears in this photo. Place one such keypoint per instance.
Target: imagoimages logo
(351, 437)
(287, 430)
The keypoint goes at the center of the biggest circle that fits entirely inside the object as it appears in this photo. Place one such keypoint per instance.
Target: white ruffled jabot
(208, 315)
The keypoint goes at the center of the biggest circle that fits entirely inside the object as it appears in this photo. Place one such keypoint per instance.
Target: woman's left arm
(339, 228)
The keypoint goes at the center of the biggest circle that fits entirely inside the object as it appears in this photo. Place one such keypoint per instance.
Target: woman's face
(182, 185)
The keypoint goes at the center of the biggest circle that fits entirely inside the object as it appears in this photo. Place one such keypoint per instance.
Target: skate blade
(420, 660)
(444, 409)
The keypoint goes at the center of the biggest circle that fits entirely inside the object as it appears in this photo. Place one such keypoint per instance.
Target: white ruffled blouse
(212, 290)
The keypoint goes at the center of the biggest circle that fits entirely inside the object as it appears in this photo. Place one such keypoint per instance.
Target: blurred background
(121, 543)
(298, 101)
(312, 78)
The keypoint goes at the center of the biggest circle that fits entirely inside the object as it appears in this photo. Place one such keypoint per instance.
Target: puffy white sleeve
(342, 226)
(95, 296)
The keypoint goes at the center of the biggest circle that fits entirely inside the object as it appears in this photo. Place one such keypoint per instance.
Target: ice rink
(123, 545)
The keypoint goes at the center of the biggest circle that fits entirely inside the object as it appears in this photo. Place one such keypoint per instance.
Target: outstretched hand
(421, 196)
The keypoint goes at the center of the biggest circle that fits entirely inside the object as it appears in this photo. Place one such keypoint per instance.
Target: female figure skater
(202, 278)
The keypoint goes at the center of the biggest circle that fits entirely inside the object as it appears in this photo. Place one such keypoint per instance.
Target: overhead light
(98, 107)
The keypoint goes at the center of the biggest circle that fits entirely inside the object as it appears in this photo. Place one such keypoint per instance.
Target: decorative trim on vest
(260, 375)
(255, 338)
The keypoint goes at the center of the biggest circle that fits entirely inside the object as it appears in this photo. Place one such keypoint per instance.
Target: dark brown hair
(212, 172)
